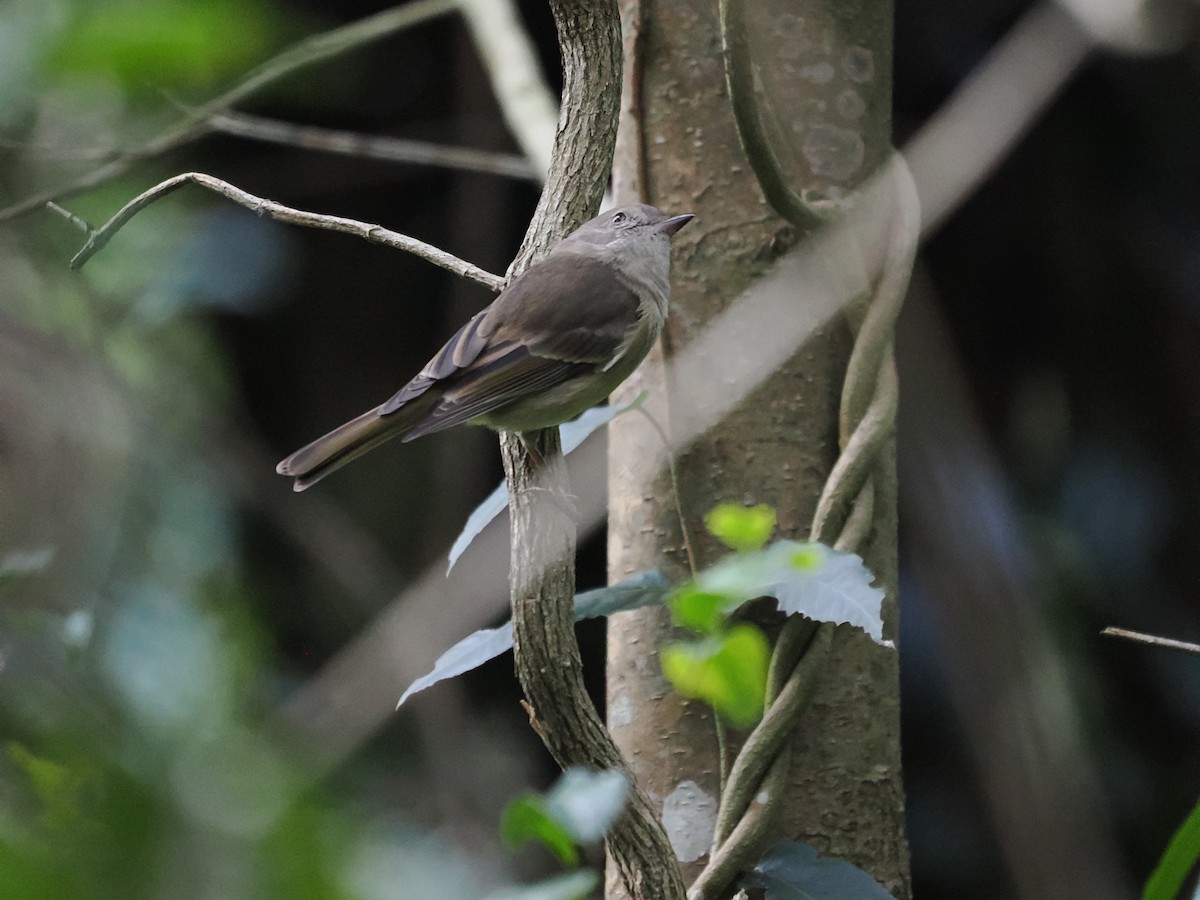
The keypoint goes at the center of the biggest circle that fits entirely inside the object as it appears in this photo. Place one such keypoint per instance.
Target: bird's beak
(673, 224)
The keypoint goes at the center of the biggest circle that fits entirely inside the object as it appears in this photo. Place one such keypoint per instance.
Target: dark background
(148, 398)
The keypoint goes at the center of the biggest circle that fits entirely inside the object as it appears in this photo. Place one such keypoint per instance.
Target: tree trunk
(827, 73)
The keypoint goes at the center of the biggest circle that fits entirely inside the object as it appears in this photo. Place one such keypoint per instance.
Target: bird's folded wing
(567, 317)
(505, 374)
(461, 350)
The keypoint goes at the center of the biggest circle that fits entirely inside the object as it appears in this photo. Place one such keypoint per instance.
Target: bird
(557, 340)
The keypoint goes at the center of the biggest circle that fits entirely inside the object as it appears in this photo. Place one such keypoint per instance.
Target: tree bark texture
(542, 573)
(822, 77)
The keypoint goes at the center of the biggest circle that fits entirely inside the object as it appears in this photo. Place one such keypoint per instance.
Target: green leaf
(742, 528)
(827, 585)
(1178, 861)
(57, 786)
(729, 672)
(577, 810)
(698, 609)
(526, 819)
(585, 803)
(643, 589)
(163, 43)
(635, 592)
(811, 580)
(794, 871)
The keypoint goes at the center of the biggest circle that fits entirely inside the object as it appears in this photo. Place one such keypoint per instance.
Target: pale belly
(566, 401)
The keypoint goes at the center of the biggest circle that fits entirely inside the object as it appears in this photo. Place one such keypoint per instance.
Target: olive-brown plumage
(554, 342)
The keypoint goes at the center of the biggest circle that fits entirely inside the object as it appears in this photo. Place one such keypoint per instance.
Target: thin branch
(314, 49)
(542, 569)
(389, 149)
(72, 218)
(529, 107)
(280, 213)
(1142, 637)
(673, 470)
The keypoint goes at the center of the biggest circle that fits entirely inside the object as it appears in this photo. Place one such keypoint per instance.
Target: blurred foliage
(727, 666)
(155, 609)
(739, 527)
(137, 682)
(180, 43)
(1179, 869)
(578, 810)
(728, 671)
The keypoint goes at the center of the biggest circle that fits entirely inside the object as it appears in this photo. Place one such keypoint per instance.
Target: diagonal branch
(100, 237)
(388, 149)
(314, 49)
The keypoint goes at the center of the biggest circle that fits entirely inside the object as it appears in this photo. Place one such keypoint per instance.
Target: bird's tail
(328, 453)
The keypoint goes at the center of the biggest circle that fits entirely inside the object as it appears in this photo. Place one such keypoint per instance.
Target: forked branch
(98, 238)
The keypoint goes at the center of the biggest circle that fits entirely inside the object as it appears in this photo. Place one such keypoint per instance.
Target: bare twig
(280, 213)
(526, 101)
(390, 149)
(314, 49)
(1142, 637)
(72, 218)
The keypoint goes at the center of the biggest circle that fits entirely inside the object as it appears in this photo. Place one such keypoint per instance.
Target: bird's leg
(528, 440)
(543, 475)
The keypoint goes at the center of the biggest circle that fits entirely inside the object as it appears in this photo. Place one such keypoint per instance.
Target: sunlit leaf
(729, 672)
(740, 527)
(698, 609)
(645, 589)
(812, 580)
(794, 871)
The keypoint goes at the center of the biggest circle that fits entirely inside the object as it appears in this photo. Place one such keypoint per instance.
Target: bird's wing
(513, 375)
(589, 319)
(534, 345)
(461, 350)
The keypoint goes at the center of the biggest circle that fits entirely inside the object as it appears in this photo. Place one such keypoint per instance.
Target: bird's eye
(619, 218)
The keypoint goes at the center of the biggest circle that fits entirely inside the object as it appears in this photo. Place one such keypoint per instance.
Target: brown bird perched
(554, 342)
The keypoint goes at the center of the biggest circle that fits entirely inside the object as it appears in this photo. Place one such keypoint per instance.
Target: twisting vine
(843, 518)
(845, 510)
